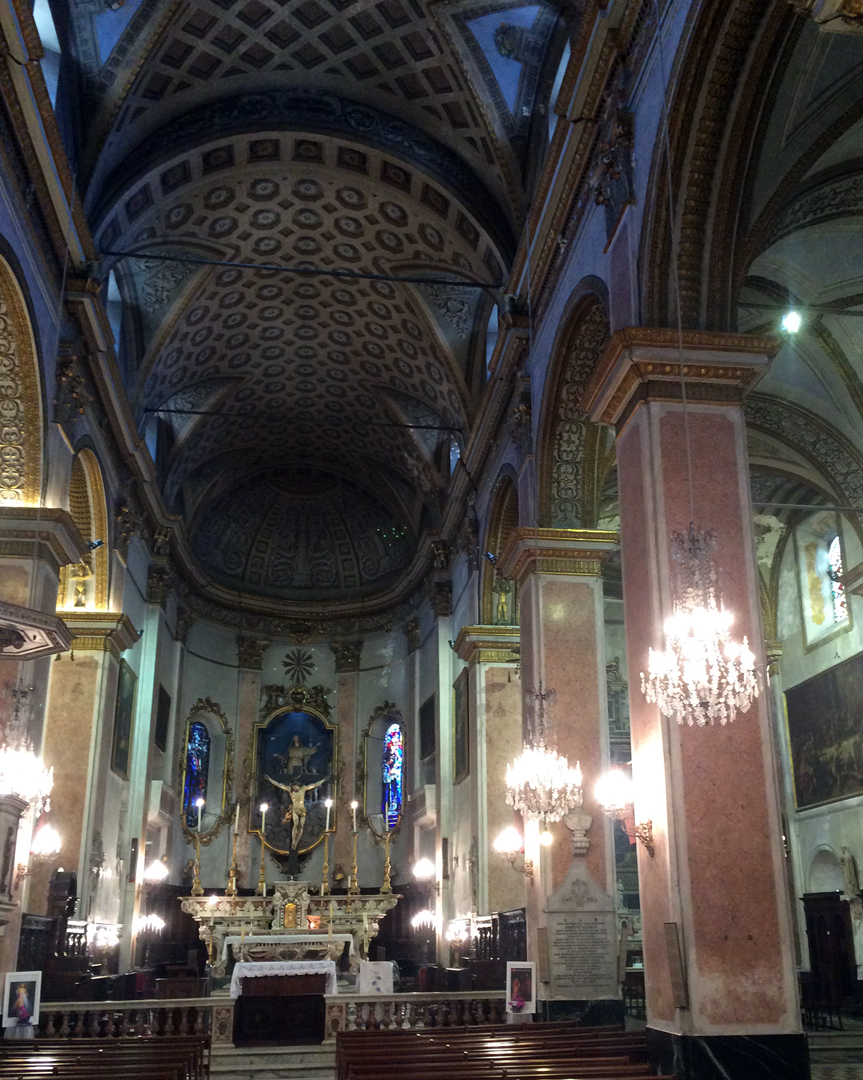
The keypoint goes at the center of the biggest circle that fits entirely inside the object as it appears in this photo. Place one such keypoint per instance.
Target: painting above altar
(294, 773)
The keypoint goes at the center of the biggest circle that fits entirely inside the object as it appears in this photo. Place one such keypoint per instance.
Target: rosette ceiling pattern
(270, 137)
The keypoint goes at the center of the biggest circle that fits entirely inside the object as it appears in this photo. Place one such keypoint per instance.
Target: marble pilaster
(347, 690)
(718, 950)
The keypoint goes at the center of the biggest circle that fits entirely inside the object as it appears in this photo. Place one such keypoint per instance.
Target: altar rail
(158, 1018)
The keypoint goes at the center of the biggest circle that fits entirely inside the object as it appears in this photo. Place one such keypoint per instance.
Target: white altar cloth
(285, 967)
(321, 939)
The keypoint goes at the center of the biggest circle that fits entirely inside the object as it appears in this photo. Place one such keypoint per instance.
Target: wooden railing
(156, 1018)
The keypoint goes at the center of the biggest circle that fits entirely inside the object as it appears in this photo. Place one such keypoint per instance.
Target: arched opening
(84, 585)
(500, 595)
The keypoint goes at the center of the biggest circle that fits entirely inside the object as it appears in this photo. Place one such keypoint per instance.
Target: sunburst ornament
(298, 665)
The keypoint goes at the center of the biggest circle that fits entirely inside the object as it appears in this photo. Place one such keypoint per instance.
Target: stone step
(274, 1063)
(826, 1047)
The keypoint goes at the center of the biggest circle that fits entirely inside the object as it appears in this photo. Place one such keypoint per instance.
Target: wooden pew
(180, 1058)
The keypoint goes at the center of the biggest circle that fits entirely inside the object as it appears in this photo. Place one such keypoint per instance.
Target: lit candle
(354, 806)
(328, 804)
(331, 920)
(200, 805)
(387, 817)
(264, 808)
(237, 819)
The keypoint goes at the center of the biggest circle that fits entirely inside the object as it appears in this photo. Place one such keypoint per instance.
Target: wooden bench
(180, 1058)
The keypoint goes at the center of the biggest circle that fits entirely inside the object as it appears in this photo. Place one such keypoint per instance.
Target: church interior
(431, 538)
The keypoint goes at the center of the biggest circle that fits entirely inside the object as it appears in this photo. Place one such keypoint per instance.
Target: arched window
(197, 771)
(840, 601)
(392, 769)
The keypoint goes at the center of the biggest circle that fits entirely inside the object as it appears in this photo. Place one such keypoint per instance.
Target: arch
(373, 777)
(84, 585)
(499, 596)
(825, 872)
(206, 771)
(21, 407)
(573, 451)
(197, 774)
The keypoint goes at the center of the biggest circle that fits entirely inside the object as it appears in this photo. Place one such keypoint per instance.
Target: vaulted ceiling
(310, 207)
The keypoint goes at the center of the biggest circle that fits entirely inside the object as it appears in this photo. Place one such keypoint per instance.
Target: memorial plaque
(582, 955)
(582, 939)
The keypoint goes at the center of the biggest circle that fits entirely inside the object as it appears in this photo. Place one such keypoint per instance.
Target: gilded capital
(347, 654)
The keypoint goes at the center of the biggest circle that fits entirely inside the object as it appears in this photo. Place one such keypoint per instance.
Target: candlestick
(387, 888)
(354, 887)
(331, 921)
(197, 889)
(231, 889)
(325, 872)
(212, 956)
(354, 806)
(262, 878)
(237, 819)
(329, 805)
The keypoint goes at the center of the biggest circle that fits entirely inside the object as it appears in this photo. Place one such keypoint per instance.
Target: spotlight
(791, 322)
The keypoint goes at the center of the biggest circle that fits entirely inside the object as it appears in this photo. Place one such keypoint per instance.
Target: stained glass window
(840, 602)
(197, 771)
(392, 770)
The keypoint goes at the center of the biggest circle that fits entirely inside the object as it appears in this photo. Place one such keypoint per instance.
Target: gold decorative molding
(644, 363)
(57, 541)
(21, 398)
(572, 552)
(101, 631)
(488, 644)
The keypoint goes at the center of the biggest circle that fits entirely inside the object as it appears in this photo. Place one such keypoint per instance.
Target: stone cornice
(488, 644)
(572, 552)
(59, 541)
(26, 634)
(101, 631)
(641, 363)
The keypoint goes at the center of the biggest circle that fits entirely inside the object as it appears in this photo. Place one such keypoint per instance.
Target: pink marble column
(250, 653)
(715, 884)
(347, 655)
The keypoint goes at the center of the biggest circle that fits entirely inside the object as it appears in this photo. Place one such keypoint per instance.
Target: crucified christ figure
(297, 809)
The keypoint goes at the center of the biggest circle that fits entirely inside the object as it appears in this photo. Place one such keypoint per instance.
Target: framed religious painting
(461, 728)
(294, 773)
(124, 719)
(520, 986)
(824, 733)
(22, 992)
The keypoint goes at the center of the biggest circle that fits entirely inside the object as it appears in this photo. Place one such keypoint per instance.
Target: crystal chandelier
(702, 676)
(540, 783)
(22, 773)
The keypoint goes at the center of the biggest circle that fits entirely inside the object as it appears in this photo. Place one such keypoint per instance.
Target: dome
(301, 536)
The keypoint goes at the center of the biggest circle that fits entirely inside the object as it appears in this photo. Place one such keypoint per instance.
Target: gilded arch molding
(92, 572)
(21, 420)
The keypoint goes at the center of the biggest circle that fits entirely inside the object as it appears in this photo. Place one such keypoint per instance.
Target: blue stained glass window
(197, 771)
(392, 771)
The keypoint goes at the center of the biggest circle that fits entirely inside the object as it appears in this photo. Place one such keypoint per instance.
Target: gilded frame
(387, 709)
(201, 706)
(125, 703)
(461, 727)
(299, 701)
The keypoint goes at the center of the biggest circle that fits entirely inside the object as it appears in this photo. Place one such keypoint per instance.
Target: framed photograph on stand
(520, 986)
(22, 992)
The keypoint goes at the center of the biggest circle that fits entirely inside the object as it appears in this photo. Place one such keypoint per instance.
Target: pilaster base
(597, 1013)
(729, 1057)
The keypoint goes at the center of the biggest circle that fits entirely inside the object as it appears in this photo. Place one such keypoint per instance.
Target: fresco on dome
(505, 40)
(824, 733)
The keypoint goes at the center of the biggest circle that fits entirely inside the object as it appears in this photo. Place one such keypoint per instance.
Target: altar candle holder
(354, 888)
(231, 889)
(262, 879)
(197, 889)
(387, 887)
(325, 872)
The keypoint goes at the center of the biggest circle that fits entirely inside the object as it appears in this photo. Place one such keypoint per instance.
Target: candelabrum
(325, 872)
(354, 888)
(231, 889)
(197, 888)
(387, 888)
(262, 878)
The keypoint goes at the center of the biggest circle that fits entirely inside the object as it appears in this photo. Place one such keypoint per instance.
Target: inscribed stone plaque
(582, 938)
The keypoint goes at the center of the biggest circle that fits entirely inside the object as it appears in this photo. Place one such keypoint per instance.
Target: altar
(288, 947)
(281, 1003)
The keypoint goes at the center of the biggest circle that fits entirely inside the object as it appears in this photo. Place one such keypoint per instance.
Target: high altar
(289, 925)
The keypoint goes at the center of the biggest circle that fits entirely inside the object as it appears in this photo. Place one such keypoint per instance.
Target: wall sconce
(615, 795)
(510, 845)
(424, 870)
(45, 847)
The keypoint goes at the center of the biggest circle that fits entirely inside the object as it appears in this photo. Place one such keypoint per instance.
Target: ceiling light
(791, 322)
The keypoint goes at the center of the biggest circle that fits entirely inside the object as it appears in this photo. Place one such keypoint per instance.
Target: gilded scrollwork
(20, 405)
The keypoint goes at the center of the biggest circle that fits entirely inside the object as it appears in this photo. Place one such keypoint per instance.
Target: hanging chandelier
(22, 772)
(540, 783)
(702, 676)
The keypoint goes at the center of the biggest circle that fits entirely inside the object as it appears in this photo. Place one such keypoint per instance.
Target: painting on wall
(124, 717)
(21, 995)
(461, 728)
(825, 735)
(824, 610)
(295, 767)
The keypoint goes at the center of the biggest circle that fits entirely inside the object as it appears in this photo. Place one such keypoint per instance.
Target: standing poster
(21, 995)
(520, 986)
